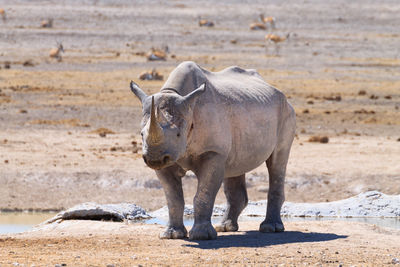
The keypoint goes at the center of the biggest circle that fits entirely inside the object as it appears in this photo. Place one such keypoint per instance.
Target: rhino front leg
(171, 180)
(210, 173)
(236, 196)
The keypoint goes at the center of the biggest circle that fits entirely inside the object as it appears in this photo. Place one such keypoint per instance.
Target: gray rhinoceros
(220, 125)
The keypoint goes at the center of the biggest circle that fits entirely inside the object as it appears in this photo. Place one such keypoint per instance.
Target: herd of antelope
(264, 23)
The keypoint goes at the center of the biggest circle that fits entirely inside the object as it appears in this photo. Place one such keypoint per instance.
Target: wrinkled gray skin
(220, 125)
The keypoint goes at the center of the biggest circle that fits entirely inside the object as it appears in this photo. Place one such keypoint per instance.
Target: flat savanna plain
(69, 130)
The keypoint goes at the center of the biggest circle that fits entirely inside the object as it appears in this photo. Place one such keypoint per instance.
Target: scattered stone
(319, 139)
(102, 212)
(7, 64)
(28, 63)
(306, 111)
(23, 111)
(363, 111)
(388, 97)
(373, 97)
(333, 98)
(362, 92)
(310, 102)
(102, 132)
(395, 261)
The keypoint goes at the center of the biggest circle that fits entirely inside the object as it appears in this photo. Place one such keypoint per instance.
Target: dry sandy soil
(340, 68)
(83, 243)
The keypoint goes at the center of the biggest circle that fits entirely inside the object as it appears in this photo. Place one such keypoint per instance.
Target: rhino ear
(191, 98)
(138, 92)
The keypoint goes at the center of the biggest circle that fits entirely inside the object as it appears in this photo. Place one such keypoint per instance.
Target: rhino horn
(155, 131)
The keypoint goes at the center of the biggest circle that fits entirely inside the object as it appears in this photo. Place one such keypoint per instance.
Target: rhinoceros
(219, 125)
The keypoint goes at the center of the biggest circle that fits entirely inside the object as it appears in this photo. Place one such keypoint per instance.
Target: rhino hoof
(227, 226)
(271, 227)
(203, 231)
(174, 233)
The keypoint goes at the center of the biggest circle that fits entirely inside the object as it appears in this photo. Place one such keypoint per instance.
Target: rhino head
(166, 123)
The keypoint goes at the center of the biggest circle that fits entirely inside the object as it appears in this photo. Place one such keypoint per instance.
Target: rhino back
(239, 115)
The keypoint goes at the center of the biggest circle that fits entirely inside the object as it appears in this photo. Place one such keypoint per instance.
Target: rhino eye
(178, 134)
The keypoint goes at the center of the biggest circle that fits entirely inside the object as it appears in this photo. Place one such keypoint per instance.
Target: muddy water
(16, 222)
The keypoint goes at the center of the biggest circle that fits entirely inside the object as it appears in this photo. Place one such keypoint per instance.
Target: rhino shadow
(257, 239)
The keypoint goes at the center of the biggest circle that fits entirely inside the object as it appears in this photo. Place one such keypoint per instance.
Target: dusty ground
(51, 153)
(82, 243)
(340, 69)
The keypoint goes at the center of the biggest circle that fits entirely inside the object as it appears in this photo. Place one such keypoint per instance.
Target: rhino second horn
(155, 131)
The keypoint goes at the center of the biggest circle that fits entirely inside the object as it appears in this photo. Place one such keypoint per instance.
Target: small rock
(362, 92)
(319, 139)
(333, 98)
(395, 261)
(28, 63)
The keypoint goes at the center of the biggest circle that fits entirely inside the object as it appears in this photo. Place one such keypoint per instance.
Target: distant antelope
(153, 75)
(56, 52)
(276, 39)
(157, 54)
(3, 14)
(270, 20)
(205, 23)
(258, 26)
(47, 23)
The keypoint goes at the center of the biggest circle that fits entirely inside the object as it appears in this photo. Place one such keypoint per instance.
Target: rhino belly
(250, 149)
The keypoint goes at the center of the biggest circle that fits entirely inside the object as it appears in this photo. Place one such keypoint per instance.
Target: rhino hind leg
(276, 164)
(236, 196)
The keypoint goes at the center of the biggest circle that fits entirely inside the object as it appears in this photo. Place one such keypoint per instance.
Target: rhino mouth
(158, 164)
